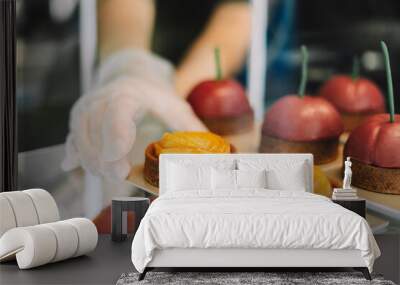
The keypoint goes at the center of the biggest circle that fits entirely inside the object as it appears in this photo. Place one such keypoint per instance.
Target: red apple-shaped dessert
(374, 148)
(222, 104)
(302, 124)
(354, 97)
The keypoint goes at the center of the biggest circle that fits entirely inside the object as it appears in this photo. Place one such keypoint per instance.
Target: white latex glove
(103, 121)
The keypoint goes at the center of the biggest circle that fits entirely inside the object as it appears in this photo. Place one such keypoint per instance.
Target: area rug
(243, 278)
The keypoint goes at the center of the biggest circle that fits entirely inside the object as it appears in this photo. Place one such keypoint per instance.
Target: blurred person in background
(151, 53)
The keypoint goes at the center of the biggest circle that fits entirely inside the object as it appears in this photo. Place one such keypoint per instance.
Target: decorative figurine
(347, 174)
(346, 193)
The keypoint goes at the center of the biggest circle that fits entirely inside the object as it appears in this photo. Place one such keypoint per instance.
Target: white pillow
(251, 178)
(181, 177)
(280, 180)
(223, 179)
(281, 175)
(203, 160)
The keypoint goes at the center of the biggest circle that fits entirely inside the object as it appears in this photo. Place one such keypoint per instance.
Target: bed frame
(242, 259)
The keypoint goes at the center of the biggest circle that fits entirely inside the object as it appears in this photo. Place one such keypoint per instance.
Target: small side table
(119, 215)
(357, 206)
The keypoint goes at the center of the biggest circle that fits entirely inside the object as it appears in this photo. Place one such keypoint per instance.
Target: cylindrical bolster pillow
(87, 234)
(33, 246)
(23, 208)
(37, 245)
(26, 208)
(46, 207)
(67, 239)
(7, 218)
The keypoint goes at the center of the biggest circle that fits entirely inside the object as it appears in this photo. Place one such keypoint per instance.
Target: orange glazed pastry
(181, 142)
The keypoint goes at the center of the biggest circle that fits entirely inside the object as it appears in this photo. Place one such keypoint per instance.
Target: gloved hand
(103, 121)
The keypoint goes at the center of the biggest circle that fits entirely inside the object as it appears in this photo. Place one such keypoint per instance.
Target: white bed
(248, 227)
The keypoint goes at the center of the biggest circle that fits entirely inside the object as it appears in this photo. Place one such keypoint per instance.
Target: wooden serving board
(377, 224)
(249, 142)
(137, 179)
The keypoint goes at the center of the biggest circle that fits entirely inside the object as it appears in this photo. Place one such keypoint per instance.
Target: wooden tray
(377, 224)
(136, 178)
(248, 143)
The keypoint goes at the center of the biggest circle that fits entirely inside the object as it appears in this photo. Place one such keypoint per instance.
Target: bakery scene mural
(105, 88)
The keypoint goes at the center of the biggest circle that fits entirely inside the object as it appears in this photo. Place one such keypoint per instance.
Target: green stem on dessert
(304, 71)
(218, 69)
(389, 80)
(355, 73)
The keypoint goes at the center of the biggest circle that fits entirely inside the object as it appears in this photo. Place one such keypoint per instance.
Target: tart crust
(353, 120)
(375, 178)
(324, 151)
(150, 171)
(230, 125)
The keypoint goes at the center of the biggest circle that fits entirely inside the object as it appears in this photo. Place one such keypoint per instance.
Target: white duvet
(250, 219)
